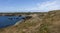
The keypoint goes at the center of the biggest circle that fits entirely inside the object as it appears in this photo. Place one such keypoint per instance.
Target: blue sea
(6, 21)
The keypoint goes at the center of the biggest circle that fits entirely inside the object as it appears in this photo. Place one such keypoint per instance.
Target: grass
(44, 28)
(41, 23)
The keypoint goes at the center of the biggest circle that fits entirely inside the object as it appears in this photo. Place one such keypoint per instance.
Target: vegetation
(48, 22)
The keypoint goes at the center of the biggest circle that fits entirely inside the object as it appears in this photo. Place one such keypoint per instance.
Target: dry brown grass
(40, 23)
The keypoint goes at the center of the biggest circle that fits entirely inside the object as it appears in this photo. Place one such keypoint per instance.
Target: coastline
(18, 22)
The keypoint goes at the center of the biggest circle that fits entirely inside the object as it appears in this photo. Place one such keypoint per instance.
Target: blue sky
(29, 5)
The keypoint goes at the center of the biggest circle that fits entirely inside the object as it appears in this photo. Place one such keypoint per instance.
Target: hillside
(48, 22)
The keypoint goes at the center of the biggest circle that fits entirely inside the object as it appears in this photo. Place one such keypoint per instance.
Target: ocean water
(6, 21)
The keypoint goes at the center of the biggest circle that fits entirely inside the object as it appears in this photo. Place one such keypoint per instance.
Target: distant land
(20, 13)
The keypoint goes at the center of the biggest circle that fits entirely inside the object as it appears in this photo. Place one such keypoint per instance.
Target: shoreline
(18, 22)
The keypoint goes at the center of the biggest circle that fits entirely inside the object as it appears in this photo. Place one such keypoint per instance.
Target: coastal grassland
(39, 23)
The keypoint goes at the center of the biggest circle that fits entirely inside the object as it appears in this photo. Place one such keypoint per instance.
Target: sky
(29, 5)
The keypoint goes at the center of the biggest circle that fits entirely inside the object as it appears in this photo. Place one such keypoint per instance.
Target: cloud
(47, 6)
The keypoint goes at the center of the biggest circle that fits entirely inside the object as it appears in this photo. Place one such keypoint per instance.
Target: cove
(6, 21)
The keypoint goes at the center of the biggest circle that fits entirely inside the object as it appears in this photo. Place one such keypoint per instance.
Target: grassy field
(48, 22)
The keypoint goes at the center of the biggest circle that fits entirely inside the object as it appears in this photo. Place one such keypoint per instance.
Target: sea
(6, 21)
